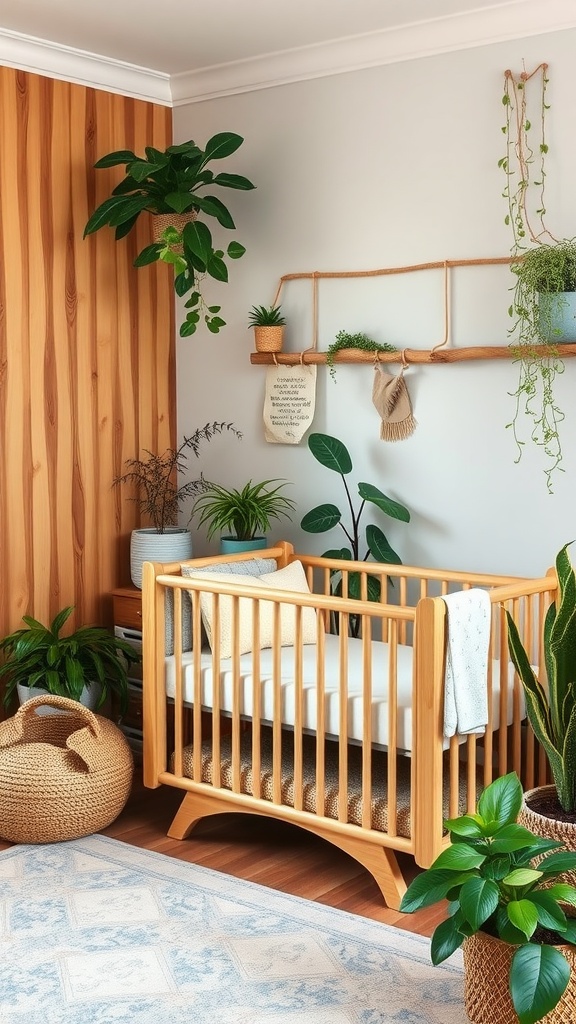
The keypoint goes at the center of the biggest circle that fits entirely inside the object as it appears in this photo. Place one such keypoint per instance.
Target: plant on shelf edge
(486, 875)
(544, 269)
(169, 182)
(40, 657)
(360, 341)
(159, 495)
(333, 454)
(244, 513)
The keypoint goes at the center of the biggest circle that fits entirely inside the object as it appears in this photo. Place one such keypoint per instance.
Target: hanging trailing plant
(544, 268)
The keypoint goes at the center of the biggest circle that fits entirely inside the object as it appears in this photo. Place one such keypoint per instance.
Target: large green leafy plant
(552, 709)
(173, 181)
(334, 455)
(40, 657)
(486, 876)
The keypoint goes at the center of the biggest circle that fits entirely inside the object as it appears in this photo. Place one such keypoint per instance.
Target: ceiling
(181, 51)
(179, 36)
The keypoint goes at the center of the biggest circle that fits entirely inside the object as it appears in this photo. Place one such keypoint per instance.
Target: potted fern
(551, 709)
(268, 323)
(171, 185)
(161, 495)
(514, 921)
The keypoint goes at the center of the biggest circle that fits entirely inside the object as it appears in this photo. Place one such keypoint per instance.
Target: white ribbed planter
(558, 311)
(89, 697)
(174, 545)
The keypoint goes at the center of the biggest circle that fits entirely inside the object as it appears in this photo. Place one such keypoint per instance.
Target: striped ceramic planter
(174, 545)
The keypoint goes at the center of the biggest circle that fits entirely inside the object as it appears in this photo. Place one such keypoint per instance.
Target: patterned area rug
(98, 932)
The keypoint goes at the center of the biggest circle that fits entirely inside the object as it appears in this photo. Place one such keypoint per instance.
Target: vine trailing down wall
(87, 349)
(544, 267)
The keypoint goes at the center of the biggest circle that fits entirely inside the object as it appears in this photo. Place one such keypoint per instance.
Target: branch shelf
(407, 355)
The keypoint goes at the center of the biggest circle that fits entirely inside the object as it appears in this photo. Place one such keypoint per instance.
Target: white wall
(385, 167)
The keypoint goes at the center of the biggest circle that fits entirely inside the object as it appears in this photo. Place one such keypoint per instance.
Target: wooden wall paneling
(87, 352)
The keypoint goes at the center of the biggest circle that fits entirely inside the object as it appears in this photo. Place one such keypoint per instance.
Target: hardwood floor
(275, 854)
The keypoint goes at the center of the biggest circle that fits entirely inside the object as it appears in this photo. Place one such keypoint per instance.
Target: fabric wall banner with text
(289, 403)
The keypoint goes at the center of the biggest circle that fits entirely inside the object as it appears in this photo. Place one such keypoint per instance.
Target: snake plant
(552, 710)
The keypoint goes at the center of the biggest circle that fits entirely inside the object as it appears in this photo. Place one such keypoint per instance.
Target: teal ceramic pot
(558, 316)
(231, 546)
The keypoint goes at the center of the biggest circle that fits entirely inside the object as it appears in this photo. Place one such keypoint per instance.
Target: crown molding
(41, 57)
(514, 19)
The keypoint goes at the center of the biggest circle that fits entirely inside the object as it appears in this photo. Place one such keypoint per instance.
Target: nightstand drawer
(128, 611)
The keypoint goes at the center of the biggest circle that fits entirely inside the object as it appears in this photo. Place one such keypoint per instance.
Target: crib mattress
(379, 760)
(379, 715)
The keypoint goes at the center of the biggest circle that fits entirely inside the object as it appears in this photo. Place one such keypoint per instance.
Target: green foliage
(245, 513)
(39, 657)
(266, 316)
(548, 267)
(171, 182)
(159, 496)
(487, 877)
(552, 710)
(360, 341)
(333, 454)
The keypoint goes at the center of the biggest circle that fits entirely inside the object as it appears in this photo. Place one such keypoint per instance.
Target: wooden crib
(328, 711)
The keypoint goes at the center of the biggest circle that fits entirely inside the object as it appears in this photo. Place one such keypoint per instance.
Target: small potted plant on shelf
(550, 810)
(88, 665)
(268, 323)
(360, 341)
(512, 919)
(161, 496)
(170, 184)
(243, 515)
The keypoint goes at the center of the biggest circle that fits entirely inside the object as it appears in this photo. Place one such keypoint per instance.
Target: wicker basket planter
(61, 776)
(486, 983)
(549, 828)
(161, 221)
(269, 338)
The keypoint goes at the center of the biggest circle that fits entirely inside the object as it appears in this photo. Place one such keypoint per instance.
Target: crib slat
(298, 710)
(177, 619)
(277, 706)
(392, 728)
(216, 702)
(454, 778)
(366, 722)
(343, 719)
(197, 692)
(488, 741)
(471, 797)
(256, 707)
(503, 732)
(320, 718)
(236, 693)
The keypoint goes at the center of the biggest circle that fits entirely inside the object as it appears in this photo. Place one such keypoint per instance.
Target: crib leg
(191, 811)
(378, 860)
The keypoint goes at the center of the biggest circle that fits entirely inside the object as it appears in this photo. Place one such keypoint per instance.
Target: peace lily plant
(487, 878)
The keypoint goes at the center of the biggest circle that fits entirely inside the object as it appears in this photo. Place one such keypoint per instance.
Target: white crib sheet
(332, 701)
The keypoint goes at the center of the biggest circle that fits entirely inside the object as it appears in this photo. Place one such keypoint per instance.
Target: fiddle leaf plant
(333, 454)
(486, 875)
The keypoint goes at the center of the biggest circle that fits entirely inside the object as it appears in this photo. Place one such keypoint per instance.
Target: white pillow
(291, 577)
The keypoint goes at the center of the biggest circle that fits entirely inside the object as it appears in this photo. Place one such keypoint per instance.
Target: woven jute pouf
(62, 776)
(549, 828)
(486, 983)
(161, 221)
